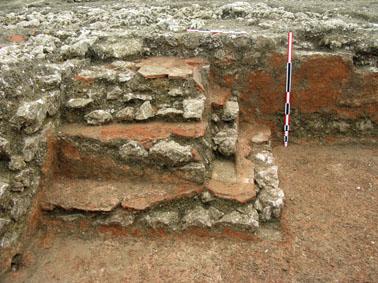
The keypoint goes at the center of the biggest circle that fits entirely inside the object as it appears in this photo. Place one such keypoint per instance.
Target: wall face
(329, 95)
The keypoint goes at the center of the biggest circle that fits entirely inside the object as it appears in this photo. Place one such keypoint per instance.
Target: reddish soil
(328, 234)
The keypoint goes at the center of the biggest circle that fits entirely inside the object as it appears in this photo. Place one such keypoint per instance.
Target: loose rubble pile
(86, 77)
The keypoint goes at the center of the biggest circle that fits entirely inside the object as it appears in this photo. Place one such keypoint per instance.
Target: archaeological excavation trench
(166, 133)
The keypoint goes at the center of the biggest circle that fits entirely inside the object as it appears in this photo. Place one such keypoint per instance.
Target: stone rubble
(145, 111)
(98, 117)
(197, 217)
(120, 218)
(193, 108)
(30, 116)
(16, 163)
(162, 219)
(4, 147)
(78, 102)
(246, 221)
(230, 111)
(133, 150)
(225, 141)
(171, 153)
(125, 114)
(270, 198)
(31, 147)
(3, 188)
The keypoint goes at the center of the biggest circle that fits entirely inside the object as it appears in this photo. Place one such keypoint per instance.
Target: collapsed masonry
(166, 130)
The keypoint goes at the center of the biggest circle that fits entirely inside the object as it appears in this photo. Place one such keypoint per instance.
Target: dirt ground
(329, 234)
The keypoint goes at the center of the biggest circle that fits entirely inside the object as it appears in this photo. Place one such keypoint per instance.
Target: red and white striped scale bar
(288, 89)
(217, 31)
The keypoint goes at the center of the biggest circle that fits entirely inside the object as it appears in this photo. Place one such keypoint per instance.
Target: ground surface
(328, 234)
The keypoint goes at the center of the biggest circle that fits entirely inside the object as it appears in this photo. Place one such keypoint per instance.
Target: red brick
(240, 192)
(16, 38)
(142, 132)
(173, 67)
(93, 195)
(84, 80)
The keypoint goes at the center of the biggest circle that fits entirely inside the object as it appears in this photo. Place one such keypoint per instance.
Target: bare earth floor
(329, 234)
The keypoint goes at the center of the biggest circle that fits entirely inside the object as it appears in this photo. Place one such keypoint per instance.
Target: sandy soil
(328, 234)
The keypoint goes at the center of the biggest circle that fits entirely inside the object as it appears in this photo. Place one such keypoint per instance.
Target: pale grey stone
(197, 217)
(71, 217)
(248, 220)
(215, 117)
(51, 81)
(269, 203)
(126, 114)
(145, 111)
(79, 102)
(207, 197)
(235, 10)
(270, 198)
(79, 48)
(261, 136)
(52, 102)
(125, 76)
(3, 188)
(4, 147)
(23, 180)
(20, 206)
(267, 177)
(176, 92)
(133, 150)
(225, 141)
(16, 163)
(169, 112)
(99, 73)
(197, 23)
(117, 47)
(264, 156)
(230, 111)
(119, 217)
(115, 93)
(136, 96)
(364, 125)
(161, 219)
(31, 147)
(171, 153)
(341, 126)
(30, 116)
(193, 108)
(98, 117)
(215, 214)
(9, 239)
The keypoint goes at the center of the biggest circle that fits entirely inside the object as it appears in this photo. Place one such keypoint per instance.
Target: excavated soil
(328, 234)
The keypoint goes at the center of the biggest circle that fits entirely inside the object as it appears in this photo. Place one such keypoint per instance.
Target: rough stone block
(78, 102)
(193, 108)
(30, 116)
(171, 153)
(98, 117)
